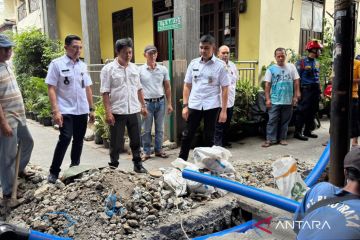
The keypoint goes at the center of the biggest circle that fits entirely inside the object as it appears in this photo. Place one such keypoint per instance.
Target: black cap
(352, 159)
(150, 48)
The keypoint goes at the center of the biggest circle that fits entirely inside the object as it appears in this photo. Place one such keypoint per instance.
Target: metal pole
(341, 88)
(170, 40)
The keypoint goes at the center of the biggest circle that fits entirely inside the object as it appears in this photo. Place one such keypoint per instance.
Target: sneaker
(52, 178)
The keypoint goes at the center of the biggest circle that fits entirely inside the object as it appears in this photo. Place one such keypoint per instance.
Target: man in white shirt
(155, 81)
(69, 89)
(123, 99)
(206, 81)
(221, 129)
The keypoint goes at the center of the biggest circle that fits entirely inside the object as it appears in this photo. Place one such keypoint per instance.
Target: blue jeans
(156, 111)
(8, 149)
(279, 119)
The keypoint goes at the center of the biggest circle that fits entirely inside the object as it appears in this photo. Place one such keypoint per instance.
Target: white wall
(34, 19)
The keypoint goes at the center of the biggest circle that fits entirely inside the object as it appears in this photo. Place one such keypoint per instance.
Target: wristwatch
(185, 105)
(91, 109)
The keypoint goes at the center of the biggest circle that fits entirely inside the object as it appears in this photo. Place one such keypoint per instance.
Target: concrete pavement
(244, 151)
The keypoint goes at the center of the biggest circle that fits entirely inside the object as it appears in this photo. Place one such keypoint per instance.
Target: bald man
(221, 129)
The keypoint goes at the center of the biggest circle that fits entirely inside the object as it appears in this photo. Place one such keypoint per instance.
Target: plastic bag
(174, 181)
(192, 186)
(214, 158)
(288, 180)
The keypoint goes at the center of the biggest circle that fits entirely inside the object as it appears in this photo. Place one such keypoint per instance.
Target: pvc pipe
(35, 235)
(241, 189)
(240, 228)
(319, 168)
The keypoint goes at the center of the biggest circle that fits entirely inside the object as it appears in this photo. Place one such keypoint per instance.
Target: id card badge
(82, 80)
(210, 79)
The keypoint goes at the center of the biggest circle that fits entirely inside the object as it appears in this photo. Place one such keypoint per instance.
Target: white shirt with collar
(206, 79)
(123, 84)
(234, 77)
(70, 79)
(152, 80)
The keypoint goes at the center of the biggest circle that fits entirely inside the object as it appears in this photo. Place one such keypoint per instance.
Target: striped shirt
(11, 100)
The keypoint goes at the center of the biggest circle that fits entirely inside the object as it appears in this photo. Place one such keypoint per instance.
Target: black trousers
(74, 126)
(221, 129)
(210, 117)
(132, 123)
(307, 108)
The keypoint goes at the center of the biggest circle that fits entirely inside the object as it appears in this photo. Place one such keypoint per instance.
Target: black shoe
(310, 135)
(299, 136)
(52, 178)
(113, 165)
(139, 168)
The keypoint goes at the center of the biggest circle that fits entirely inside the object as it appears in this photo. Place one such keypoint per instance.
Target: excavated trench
(215, 216)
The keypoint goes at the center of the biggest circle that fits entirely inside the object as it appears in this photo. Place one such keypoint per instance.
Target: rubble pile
(103, 204)
(258, 174)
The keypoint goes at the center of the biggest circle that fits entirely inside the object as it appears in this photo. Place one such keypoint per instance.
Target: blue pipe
(247, 191)
(241, 228)
(35, 235)
(319, 168)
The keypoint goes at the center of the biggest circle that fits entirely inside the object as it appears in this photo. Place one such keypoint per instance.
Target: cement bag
(181, 164)
(174, 181)
(196, 187)
(230, 176)
(288, 180)
(214, 158)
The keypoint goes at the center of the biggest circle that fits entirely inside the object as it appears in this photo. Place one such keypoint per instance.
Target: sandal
(145, 157)
(266, 144)
(283, 142)
(161, 154)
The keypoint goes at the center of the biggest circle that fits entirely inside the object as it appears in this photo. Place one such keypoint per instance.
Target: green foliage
(245, 97)
(292, 56)
(33, 53)
(101, 127)
(34, 91)
(326, 57)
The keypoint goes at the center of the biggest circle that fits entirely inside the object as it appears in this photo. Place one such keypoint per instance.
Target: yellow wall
(68, 18)
(142, 22)
(276, 28)
(249, 31)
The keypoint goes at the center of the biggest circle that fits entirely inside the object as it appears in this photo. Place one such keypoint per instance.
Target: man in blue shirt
(338, 220)
(308, 69)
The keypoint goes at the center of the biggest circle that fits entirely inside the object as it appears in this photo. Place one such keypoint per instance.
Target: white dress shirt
(123, 84)
(206, 78)
(234, 77)
(70, 80)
